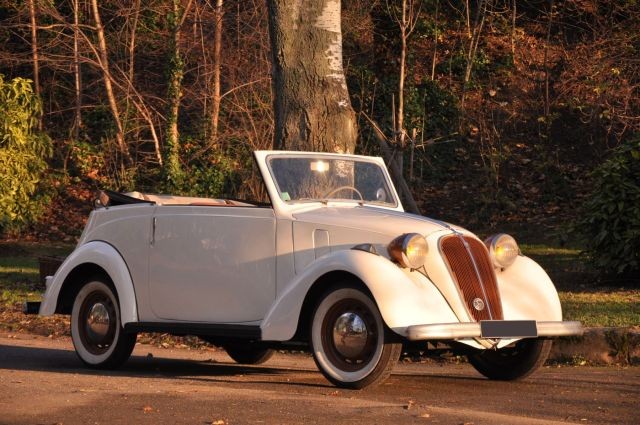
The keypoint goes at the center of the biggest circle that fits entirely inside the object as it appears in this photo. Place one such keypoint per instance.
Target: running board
(249, 332)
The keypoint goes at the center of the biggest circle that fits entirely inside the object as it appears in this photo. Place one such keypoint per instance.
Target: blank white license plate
(508, 329)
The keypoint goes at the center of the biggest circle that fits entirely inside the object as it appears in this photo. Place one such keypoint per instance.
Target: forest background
(511, 114)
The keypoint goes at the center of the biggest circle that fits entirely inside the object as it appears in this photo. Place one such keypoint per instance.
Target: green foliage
(208, 179)
(441, 110)
(23, 154)
(610, 218)
(435, 111)
(88, 160)
(457, 65)
(98, 123)
(204, 174)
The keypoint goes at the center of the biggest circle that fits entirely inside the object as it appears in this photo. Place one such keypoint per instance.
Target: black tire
(96, 329)
(248, 353)
(513, 362)
(351, 345)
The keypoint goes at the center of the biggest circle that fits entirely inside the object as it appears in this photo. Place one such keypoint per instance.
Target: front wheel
(96, 329)
(512, 362)
(351, 345)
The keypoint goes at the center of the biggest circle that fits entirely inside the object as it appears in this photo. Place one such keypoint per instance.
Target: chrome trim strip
(472, 330)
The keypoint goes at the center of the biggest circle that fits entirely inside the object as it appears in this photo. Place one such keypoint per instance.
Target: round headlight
(410, 250)
(503, 250)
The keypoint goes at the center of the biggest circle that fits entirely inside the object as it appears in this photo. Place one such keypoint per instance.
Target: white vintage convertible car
(332, 263)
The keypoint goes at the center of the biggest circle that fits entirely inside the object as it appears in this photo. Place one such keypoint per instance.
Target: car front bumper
(446, 331)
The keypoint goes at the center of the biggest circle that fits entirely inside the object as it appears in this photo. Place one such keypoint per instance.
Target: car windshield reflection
(324, 179)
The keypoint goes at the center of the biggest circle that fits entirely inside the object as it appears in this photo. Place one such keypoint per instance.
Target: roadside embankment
(600, 346)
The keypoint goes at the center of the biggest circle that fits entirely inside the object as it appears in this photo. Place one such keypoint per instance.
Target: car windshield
(325, 178)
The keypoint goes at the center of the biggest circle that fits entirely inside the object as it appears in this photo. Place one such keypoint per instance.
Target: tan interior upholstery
(186, 200)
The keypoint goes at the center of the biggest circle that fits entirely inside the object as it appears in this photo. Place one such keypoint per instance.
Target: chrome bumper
(472, 330)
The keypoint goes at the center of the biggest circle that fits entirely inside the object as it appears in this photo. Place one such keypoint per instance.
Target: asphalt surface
(43, 382)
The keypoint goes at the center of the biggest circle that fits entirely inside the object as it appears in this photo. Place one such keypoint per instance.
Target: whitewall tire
(351, 345)
(96, 329)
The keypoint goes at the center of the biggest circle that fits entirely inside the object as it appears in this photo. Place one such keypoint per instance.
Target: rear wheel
(351, 345)
(513, 362)
(96, 329)
(248, 353)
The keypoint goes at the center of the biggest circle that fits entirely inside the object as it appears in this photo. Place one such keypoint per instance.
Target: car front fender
(104, 256)
(404, 298)
(527, 292)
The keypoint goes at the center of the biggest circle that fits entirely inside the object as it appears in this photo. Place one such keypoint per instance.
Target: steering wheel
(338, 189)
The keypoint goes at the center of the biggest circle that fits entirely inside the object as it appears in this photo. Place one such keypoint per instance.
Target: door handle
(153, 231)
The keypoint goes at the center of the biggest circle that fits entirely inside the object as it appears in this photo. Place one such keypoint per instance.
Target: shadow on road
(65, 361)
(140, 366)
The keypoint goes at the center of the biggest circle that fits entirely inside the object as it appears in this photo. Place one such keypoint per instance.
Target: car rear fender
(404, 298)
(93, 255)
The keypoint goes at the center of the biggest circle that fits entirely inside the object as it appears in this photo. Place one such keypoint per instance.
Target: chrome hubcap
(98, 322)
(350, 335)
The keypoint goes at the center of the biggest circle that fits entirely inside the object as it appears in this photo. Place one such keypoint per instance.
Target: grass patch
(582, 295)
(19, 278)
(20, 281)
(20, 271)
(602, 308)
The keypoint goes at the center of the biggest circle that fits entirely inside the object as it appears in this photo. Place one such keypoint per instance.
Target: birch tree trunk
(106, 76)
(312, 109)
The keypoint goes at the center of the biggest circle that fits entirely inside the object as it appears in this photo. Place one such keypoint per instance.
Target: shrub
(610, 219)
(23, 154)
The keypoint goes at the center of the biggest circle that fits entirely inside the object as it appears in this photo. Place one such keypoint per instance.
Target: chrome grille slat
(473, 275)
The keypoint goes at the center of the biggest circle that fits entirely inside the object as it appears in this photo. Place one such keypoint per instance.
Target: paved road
(42, 382)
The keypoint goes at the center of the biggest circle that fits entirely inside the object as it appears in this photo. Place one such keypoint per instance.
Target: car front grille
(471, 269)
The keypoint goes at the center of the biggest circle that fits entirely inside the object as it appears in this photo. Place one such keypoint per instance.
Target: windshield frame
(339, 157)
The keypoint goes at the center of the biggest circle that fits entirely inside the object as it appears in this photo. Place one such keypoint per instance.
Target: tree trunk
(468, 13)
(514, 14)
(106, 75)
(34, 53)
(132, 39)
(406, 196)
(77, 125)
(217, 62)
(173, 169)
(435, 44)
(473, 46)
(406, 20)
(545, 64)
(403, 59)
(312, 109)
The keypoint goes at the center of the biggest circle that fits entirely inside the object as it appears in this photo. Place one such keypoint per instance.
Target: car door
(212, 264)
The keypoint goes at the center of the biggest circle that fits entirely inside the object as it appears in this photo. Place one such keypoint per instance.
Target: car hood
(371, 219)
